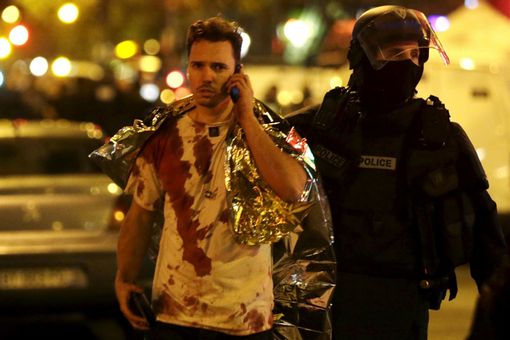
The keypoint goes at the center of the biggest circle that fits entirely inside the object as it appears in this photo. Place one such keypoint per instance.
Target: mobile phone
(234, 91)
(139, 303)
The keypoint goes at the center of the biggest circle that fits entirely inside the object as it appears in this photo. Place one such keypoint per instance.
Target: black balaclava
(390, 87)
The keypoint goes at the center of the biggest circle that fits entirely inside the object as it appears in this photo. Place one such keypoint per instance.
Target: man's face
(400, 50)
(210, 65)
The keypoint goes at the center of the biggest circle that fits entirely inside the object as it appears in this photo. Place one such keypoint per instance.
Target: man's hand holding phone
(141, 306)
(234, 91)
(241, 93)
(124, 291)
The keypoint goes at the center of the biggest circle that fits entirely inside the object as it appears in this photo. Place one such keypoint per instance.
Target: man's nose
(208, 74)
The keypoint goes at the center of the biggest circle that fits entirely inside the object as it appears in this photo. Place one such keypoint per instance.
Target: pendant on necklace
(214, 131)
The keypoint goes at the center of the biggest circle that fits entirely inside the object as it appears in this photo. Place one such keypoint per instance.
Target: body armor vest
(379, 171)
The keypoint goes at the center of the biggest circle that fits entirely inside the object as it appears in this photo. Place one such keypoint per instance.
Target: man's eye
(218, 67)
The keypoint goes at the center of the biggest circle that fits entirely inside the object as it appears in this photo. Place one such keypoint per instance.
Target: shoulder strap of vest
(433, 124)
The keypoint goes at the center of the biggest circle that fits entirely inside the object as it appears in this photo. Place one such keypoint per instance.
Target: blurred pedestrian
(226, 190)
(407, 191)
(493, 307)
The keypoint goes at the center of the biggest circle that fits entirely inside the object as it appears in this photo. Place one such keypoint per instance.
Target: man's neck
(210, 115)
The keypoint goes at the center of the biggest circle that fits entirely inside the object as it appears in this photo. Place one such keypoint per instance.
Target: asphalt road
(452, 322)
(102, 325)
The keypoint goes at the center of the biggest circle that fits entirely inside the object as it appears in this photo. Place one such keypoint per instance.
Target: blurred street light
(18, 35)
(297, 32)
(61, 67)
(5, 48)
(38, 66)
(439, 23)
(149, 63)
(471, 4)
(302, 32)
(175, 79)
(68, 13)
(167, 96)
(467, 64)
(11, 14)
(126, 49)
(149, 92)
(151, 46)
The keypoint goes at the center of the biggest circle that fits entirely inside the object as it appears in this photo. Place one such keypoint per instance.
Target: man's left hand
(243, 108)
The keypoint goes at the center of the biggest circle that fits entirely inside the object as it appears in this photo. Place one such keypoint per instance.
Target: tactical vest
(393, 187)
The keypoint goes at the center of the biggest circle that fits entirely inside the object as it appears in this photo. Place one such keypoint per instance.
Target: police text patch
(377, 162)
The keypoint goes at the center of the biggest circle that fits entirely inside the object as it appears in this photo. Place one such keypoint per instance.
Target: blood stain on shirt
(204, 307)
(187, 229)
(173, 172)
(190, 301)
(167, 305)
(204, 232)
(203, 152)
(270, 319)
(254, 320)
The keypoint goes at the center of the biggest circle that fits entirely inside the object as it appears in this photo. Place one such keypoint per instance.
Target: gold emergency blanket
(258, 214)
(301, 233)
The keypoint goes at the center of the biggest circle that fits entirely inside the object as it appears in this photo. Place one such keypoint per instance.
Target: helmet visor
(399, 35)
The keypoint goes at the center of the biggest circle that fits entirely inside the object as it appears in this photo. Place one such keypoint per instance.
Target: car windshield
(46, 156)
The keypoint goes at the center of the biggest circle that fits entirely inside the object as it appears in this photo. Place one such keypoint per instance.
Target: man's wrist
(121, 277)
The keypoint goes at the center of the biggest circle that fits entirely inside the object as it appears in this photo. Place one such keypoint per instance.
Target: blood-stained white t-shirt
(203, 277)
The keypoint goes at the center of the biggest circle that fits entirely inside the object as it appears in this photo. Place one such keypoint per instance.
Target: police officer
(407, 192)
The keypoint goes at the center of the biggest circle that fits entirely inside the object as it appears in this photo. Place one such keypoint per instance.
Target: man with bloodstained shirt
(206, 284)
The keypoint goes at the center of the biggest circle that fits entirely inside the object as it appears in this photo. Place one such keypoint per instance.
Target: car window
(46, 156)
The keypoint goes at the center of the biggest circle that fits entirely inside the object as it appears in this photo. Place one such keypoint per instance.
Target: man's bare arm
(134, 239)
(284, 174)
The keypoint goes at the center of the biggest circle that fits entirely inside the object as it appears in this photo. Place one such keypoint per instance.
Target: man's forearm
(283, 173)
(134, 239)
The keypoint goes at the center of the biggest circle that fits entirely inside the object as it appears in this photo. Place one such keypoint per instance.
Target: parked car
(59, 220)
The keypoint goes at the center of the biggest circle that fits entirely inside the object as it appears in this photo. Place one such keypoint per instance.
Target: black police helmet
(385, 24)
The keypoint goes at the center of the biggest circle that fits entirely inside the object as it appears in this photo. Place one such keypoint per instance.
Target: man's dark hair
(216, 29)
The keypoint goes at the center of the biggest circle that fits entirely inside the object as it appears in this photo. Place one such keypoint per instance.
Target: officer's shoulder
(302, 118)
(309, 110)
(432, 108)
(459, 134)
(434, 102)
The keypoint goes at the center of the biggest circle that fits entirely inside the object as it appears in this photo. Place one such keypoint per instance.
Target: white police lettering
(377, 162)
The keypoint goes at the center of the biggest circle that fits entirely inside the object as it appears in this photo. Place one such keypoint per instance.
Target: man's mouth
(207, 91)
